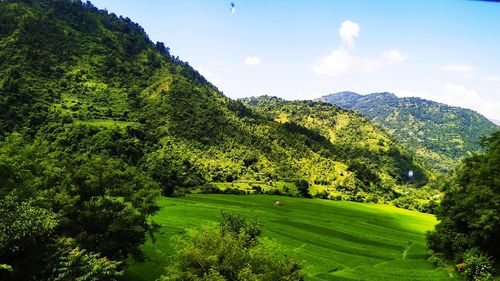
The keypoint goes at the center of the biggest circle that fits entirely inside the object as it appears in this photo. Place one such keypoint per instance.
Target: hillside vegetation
(367, 149)
(82, 81)
(439, 134)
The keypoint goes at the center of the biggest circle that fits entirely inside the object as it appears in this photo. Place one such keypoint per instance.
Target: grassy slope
(334, 240)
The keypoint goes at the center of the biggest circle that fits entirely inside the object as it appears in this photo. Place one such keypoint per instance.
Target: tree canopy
(469, 212)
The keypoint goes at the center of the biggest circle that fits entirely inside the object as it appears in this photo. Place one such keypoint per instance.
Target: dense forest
(439, 134)
(97, 121)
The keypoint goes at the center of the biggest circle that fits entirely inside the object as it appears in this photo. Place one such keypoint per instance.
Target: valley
(120, 161)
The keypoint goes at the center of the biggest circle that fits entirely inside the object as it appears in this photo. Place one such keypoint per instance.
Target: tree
(230, 253)
(26, 234)
(74, 263)
(468, 213)
(303, 188)
(106, 206)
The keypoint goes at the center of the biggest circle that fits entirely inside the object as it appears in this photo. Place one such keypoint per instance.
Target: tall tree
(469, 213)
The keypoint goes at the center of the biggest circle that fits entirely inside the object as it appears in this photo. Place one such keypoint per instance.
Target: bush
(236, 225)
(257, 189)
(75, 263)
(477, 266)
(323, 194)
(224, 253)
(210, 188)
(437, 261)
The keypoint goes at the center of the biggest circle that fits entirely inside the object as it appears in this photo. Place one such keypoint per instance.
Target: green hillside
(76, 73)
(439, 134)
(333, 240)
(367, 148)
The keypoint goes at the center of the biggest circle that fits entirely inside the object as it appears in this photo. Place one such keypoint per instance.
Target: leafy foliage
(231, 252)
(468, 213)
(78, 264)
(477, 266)
(303, 188)
(26, 232)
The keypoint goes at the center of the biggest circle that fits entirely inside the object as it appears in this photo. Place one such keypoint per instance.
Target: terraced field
(335, 240)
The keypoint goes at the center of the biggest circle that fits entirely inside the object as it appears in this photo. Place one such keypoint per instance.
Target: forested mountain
(368, 149)
(439, 134)
(96, 121)
(77, 77)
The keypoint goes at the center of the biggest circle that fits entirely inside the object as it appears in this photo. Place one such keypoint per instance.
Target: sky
(447, 51)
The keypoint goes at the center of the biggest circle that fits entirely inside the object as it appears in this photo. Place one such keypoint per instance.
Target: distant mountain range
(439, 134)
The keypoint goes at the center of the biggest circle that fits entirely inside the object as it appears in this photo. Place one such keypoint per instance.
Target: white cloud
(459, 68)
(338, 62)
(465, 71)
(458, 95)
(254, 60)
(494, 78)
(341, 61)
(344, 59)
(348, 31)
(394, 56)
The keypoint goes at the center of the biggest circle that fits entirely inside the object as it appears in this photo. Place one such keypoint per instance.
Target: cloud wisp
(492, 78)
(348, 31)
(344, 59)
(459, 68)
(458, 95)
(252, 61)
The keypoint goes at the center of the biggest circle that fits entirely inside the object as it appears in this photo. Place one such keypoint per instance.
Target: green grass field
(334, 240)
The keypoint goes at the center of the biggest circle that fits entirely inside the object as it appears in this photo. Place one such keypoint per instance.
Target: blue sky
(447, 50)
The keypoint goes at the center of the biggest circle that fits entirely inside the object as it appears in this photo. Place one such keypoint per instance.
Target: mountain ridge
(440, 134)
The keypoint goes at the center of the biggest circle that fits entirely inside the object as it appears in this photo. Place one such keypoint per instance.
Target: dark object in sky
(233, 8)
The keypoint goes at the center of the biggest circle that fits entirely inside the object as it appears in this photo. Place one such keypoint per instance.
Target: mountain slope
(368, 149)
(88, 82)
(439, 134)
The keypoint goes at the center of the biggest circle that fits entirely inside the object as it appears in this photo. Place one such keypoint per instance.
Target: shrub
(224, 253)
(477, 266)
(437, 261)
(323, 194)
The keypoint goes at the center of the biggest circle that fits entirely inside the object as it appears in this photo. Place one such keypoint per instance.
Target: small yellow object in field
(277, 203)
(460, 266)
